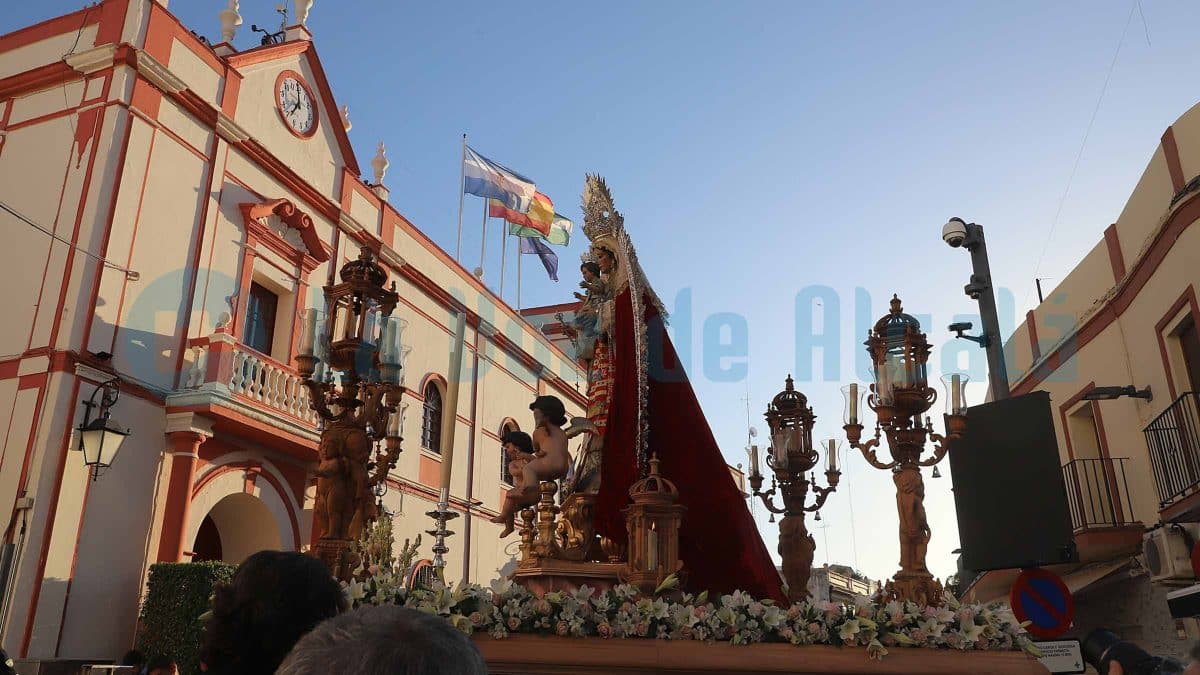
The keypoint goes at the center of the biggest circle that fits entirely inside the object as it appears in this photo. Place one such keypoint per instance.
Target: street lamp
(352, 362)
(900, 397)
(1110, 393)
(959, 233)
(101, 438)
(792, 458)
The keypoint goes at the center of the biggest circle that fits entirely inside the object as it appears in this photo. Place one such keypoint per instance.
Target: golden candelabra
(900, 396)
(792, 458)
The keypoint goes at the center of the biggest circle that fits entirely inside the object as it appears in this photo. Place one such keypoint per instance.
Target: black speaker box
(1008, 487)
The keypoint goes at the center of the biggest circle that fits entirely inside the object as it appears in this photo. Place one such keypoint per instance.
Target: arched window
(431, 418)
(423, 575)
(505, 476)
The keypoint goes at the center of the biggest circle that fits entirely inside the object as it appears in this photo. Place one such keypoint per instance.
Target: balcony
(1173, 439)
(250, 394)
(1101, 509)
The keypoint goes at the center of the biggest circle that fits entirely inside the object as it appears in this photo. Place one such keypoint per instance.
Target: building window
(505, 476)
(423, 575)
(1189, 345)
(431, 418)
(261, 308)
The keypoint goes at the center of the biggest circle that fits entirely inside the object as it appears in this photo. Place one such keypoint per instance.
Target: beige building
(1126, 316)
(169, 207)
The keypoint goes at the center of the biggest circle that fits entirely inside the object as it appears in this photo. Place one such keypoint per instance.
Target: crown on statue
(601, 220)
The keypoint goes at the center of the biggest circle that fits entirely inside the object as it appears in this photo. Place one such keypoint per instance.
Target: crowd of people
(283, 613)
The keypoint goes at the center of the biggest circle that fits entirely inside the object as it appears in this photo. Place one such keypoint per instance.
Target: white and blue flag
(492, 180)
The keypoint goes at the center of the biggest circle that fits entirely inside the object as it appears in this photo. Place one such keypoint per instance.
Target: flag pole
(503, 255)
(483, 241)
(519, 280)
(462, 190)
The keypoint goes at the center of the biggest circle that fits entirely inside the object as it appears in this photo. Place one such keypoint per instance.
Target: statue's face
(605, 260)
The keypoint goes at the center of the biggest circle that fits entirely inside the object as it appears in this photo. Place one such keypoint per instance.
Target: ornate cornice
(92, 60)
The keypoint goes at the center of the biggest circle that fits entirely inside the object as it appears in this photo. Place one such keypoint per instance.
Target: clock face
(296, 105)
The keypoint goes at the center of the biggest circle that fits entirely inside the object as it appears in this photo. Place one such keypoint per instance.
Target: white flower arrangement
(624, 612)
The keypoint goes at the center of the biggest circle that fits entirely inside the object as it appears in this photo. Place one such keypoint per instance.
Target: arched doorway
(237, 526)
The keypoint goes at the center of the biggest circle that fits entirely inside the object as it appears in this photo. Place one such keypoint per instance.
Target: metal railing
(1173, 439)
(1098, 493)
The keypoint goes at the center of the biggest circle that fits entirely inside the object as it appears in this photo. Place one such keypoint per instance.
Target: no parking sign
(1042, 599)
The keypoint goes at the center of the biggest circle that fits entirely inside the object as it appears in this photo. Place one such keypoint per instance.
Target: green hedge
(177, 594)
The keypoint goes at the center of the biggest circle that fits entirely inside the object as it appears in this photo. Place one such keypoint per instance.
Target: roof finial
(301, 11)
(230, 20)
(346, 124)
(380, 163)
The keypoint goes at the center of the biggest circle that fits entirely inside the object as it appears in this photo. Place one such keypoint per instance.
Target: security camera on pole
(959, 233)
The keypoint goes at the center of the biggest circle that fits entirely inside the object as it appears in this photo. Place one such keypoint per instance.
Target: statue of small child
(550, 460)
(585, 326)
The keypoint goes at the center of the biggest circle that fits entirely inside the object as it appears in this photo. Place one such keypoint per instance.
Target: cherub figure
(518, 447)
(550, 459)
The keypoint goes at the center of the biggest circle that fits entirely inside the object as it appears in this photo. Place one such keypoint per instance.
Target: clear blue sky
(757, 149)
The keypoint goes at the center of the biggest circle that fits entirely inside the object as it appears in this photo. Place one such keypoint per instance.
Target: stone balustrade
(220, 362)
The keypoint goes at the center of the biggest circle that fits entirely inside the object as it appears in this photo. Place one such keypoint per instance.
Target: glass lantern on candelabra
(351, 359)
(791, 458)
(900, 397)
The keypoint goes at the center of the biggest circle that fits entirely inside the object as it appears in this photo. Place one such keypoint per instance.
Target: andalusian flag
(539, 217)
(560, 231)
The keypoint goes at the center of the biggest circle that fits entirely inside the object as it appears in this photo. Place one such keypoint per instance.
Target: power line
(1088, 132)
(129, 274)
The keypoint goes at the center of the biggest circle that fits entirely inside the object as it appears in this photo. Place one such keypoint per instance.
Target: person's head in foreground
(274, 598)
(384, 640)
(160, 665)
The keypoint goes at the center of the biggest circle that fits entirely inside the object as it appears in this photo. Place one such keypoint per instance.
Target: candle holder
(652, 520)
(792, 458)
(363, 419)
(900, 397)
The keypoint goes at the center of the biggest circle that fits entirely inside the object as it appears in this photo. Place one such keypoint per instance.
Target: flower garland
(624, 612)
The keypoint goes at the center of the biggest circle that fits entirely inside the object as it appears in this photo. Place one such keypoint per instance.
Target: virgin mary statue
(640, 402)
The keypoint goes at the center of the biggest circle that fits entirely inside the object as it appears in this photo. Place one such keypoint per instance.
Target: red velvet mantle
(719, 543)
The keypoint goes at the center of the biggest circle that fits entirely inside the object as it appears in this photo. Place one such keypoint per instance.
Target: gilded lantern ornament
(792, 458)
(652, 521)
(900, 397)
(352, 362)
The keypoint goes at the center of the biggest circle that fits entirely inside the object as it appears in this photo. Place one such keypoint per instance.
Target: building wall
(1102, 326)
(142, 148)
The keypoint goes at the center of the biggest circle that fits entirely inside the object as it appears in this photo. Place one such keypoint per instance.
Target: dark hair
(273, 599)
(591, 267)
(605, 251)
(387, 640)
(520, 439)
(133, 658)
(552, 408)
(157, 663)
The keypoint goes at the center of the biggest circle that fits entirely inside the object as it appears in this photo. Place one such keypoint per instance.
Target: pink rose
(786, 633)
(563, 628)
(542, 607)
(628, 607)
(642, 628)
(919, 636)
(686, 633)
(793, 612)
(513, 623)
(814, 628)
(604, 630)
(701, 611)
(476, 619)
